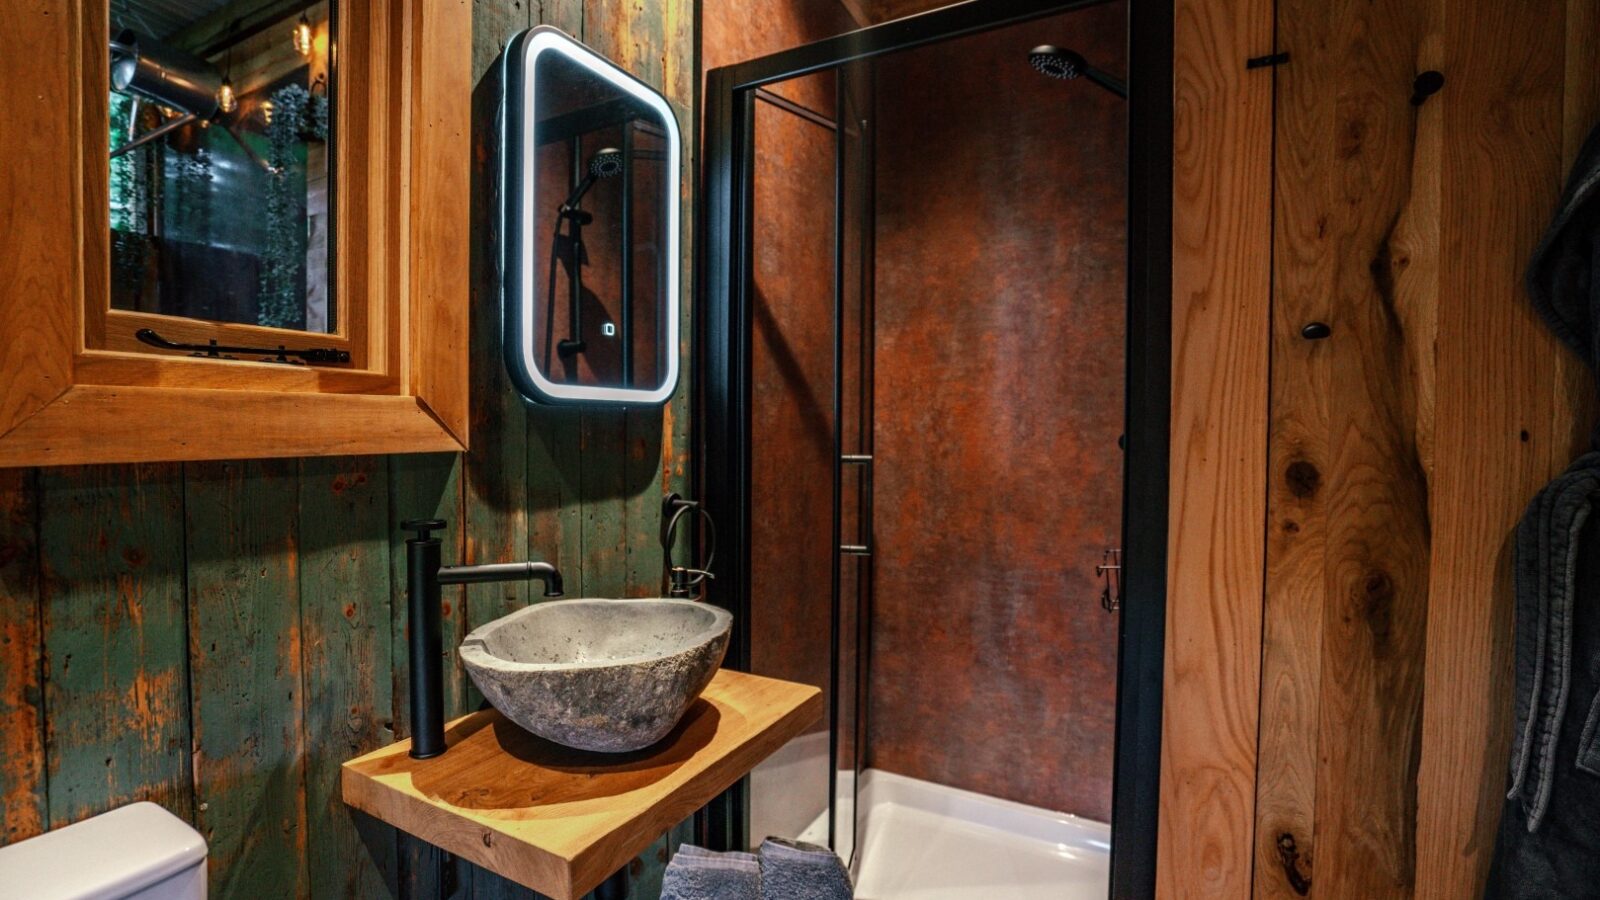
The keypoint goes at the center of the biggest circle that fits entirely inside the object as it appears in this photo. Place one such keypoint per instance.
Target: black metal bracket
(1427, 84)
(280, 354)
(682, 580)
(1271, 59)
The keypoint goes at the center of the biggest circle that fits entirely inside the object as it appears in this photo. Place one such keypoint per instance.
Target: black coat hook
(1426, 85)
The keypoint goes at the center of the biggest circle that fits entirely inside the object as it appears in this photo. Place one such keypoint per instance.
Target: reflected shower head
(605, 163)
(1056, 62)
(1066, 65)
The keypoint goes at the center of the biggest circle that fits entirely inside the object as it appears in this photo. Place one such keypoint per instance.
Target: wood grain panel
(38, 211)
(1348, 531)
(1222, 231)
(345, 646)
(1406, 446)
(22, 781)
(246, 675)
(440, 125)
(111, 578)
(1501, 170)
(545, 815)
(142, 420)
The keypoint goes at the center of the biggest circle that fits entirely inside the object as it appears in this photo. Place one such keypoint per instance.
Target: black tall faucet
(424, 576)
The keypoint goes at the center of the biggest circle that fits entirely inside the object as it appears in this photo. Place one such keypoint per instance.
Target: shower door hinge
(1110, 572)
(1271, 59)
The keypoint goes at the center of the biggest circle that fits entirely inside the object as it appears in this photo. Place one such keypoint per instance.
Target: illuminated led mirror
(589, 252)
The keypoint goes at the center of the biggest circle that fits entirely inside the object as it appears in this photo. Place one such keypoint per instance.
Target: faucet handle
(423, 527)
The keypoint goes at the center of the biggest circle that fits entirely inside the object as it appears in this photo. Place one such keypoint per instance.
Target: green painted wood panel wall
(218, 637)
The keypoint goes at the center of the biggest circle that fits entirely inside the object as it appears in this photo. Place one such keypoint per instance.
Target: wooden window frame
(75, 388)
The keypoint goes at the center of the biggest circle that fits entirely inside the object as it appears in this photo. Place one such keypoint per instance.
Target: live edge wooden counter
(559, 820)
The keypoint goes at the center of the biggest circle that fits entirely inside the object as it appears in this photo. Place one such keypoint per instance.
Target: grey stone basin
(606, 675)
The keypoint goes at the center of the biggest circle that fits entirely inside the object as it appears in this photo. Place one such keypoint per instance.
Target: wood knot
(1302, 479)
(1289, 858)
(1377, 598)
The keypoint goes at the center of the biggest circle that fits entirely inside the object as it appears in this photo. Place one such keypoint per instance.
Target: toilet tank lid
(109, 855)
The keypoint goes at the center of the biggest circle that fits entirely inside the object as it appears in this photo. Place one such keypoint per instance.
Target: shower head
(605, 163)
(1066, 65)
(1057, 63)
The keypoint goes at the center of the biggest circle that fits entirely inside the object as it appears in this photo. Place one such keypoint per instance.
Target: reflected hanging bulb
(226, 101)
(302, 36)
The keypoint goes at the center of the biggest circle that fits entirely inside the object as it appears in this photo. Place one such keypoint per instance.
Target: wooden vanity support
(559, 820)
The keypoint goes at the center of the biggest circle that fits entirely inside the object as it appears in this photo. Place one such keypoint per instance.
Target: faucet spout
(425, 574)
(489, 573)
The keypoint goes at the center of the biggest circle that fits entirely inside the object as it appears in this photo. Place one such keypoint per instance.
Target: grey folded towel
(791, 870)
(696, 873)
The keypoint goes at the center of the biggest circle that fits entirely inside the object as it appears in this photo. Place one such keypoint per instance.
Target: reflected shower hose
(605, 163)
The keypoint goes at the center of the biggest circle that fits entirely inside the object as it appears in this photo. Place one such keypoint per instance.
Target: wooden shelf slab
(558, 820)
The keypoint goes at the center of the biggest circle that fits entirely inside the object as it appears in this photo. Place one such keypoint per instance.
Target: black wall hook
(1426, 85)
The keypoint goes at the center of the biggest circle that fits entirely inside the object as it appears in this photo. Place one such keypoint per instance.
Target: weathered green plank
(602, 438)
(22, 781)
(632, 458)
(681, 78)
(497, 463)
(555, 512)
(423, 486)
(346, 648)
(566, 15)
(603, 431)
(111, 582)
(644, 486)
(245, 667)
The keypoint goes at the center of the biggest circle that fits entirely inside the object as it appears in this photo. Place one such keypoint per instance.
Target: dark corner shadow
(1492, 779)
(548, 774)
(813, 412)
(379, 840)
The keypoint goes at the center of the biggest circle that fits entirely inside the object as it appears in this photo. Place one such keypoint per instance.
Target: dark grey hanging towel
(1549, 840)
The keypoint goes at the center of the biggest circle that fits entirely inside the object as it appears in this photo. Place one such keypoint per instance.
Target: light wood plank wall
(1338, 672)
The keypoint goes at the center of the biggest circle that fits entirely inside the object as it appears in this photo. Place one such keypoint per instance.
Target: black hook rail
(282, 354)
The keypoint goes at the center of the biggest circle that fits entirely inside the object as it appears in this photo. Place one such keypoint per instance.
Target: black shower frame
(724, 270)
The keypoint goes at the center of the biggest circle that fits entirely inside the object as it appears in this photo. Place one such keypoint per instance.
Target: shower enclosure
(933, 343)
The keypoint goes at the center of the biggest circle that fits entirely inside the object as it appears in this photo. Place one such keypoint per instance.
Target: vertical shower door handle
(864, 547)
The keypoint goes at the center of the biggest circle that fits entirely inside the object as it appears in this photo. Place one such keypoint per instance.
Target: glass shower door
(811, 465)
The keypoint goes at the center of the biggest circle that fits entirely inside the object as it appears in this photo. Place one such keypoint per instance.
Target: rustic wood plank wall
(218, 637)
(1221, 258)
(1402, 448)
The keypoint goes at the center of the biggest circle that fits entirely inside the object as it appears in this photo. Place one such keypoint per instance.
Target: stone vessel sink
(605, 675)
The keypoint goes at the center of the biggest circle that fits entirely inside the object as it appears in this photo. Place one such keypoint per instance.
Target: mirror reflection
(602, 240)
(221, 164)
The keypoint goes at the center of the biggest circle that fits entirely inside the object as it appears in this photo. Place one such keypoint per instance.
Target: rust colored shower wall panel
(999, 394)
(792, 423)
(733, 31)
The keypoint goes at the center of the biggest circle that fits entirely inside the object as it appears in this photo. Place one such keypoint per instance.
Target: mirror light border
(518, 202)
